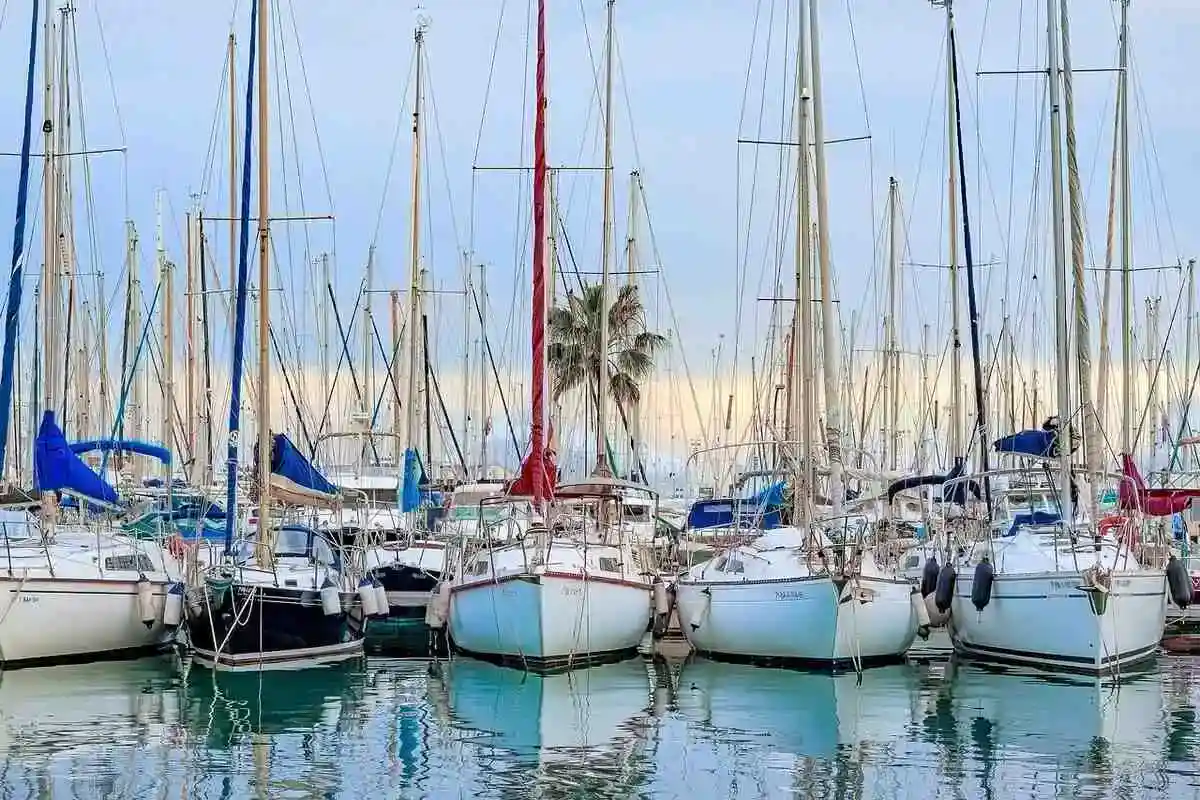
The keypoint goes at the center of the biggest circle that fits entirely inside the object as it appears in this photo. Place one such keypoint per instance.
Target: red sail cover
(523, 486)
(539, 488)
(1159, 502)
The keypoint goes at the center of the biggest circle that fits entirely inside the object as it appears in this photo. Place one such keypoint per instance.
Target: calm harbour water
(383, 728)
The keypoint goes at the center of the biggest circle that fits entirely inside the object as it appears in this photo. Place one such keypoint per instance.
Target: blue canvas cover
(733, 511)
(1032, 518)
(1028, 443)
(123, 446)
(56, 468)
(294, 479)
(414, 476)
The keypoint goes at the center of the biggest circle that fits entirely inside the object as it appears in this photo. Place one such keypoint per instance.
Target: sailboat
(287, 595)
(568, 592)
(72, 588)
(808, 590)
(1044, 585)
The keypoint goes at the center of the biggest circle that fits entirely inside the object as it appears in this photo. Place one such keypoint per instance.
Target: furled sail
(524, 485)
(123, 446)
(57, 468)
(295, 480)
(925, 480)
(414, 479)
(1158, 502)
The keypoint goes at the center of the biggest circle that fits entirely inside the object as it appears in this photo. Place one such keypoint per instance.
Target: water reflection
(791, 732)
(406, 728)
(582, 732)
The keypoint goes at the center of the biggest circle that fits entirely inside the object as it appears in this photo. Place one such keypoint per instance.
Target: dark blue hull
(261, 625)
(403, 631)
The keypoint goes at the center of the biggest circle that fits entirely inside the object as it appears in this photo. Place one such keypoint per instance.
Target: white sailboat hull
(544, 620)
(1046, 621)
(47, 620)
(804, 619)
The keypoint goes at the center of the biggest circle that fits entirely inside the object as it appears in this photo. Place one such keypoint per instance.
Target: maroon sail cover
(1158, 502)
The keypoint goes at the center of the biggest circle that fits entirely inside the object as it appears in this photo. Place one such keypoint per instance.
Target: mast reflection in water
(407, 728)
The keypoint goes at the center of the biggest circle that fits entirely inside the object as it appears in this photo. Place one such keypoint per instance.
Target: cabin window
(912, 562)
(134, 562)
(609, 564)
(291, 542)
(480, 567)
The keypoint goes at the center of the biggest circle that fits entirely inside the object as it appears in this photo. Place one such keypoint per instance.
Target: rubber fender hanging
(1179, 582)
(937, 617)
(981, 588)
(929, 576)
(943, 594)
(921, 613)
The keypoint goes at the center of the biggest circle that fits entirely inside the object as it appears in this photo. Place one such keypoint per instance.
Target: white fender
(145, 598)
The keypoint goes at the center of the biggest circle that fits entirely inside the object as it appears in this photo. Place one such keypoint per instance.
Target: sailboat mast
(264, 289)
(635, 410)
(192, 363)
(831, 359)
(956, 405)
(485, 406)
(800, 386)
(1092, 444)
(466, 357)
(233, 189)
(892, 393)
(49, 218)
(204, 456)
(602, 465)
(367, 361)
(239, 306)
(538, 312)
(414, 286)
(326, 332)
(137, 401)
(397, 411)
(166, 277)
(1062, 370)
(1126, 225)
(972, 304)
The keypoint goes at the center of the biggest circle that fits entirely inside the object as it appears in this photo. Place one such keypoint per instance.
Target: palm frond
(574, 343)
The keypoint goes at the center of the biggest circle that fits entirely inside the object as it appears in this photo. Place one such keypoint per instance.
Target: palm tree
(574, 348)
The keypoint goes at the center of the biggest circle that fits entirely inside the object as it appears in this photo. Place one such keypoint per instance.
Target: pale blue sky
(683, 68)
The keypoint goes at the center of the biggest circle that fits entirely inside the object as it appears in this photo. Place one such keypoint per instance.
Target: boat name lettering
(571, 591)
(1063, 585)
(30, 598)
(792, 594)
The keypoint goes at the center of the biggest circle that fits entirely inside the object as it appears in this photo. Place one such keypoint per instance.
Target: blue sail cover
(15, 278)
(56, 468)
(294, 479)
(239, 305)
(761, 511)
(772, 495)
(414, 474)
(123, 446)
(1032, 518)
(1037, 443)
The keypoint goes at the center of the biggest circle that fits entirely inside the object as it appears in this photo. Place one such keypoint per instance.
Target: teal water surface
(395, 728)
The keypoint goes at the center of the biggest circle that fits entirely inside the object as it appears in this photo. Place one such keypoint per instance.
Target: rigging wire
(391, 161)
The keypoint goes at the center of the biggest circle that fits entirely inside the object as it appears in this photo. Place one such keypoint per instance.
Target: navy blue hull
(404, 578)
(271, 620)
(403, 630)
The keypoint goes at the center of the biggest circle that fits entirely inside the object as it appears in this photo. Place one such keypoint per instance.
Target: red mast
(538, 328)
